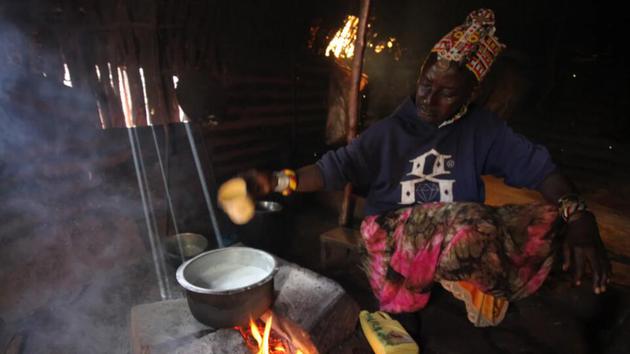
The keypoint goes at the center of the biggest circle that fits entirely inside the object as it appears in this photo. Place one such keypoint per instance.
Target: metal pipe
(145, 208)
(152, 218)
(204, 186)
(167, 192)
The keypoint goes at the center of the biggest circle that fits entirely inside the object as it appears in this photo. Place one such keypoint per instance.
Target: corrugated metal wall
(271, 121)
(125, 54)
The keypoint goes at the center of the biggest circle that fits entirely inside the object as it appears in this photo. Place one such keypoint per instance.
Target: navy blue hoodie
(401, 160)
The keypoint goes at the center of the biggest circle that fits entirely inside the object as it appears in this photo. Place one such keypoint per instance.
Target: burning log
(279, 336)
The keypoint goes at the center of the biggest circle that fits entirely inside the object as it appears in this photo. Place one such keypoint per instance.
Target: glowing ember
(391, 45)
(342, 44)
(261, 339)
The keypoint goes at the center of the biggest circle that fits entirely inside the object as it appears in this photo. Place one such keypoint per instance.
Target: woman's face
(442, 90)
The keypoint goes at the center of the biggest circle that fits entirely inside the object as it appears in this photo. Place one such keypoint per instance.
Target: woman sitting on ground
(426, 222)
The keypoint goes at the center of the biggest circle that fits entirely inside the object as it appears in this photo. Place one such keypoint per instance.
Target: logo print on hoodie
(431, 186)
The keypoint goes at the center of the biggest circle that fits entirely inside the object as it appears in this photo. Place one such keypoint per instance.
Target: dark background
(74, 252)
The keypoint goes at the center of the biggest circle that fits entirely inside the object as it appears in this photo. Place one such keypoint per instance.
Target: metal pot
(183, 246)
(224, 287)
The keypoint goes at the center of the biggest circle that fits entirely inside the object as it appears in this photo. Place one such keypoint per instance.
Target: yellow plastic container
(386, 335)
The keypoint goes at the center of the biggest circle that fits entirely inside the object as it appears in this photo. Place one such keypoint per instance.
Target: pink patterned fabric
(505, 251)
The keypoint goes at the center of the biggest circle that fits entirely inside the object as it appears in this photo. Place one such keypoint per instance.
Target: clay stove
(317, 304)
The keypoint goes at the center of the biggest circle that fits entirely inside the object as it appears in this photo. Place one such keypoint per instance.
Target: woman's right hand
(584, 248)
(259, 183)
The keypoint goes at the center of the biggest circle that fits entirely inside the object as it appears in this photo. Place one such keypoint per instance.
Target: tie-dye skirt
(505, 252)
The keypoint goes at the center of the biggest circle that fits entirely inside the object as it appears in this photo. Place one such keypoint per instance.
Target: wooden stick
(347, 205)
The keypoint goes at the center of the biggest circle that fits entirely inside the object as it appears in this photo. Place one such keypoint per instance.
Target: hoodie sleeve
(346, 164)
(516, 159)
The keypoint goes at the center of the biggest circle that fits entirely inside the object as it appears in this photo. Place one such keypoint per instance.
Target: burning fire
(342, 44)
(260, 338)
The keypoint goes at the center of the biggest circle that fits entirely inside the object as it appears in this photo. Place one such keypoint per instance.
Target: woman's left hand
(583, 245)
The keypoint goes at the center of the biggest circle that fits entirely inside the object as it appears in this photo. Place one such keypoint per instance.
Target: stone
(163, 326)
(223, 341)
(317, 304)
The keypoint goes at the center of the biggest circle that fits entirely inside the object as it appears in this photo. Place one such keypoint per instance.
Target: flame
(262, 340)
(342, 44)
(265, 342)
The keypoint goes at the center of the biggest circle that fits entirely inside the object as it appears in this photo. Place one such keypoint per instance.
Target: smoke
(72, 235)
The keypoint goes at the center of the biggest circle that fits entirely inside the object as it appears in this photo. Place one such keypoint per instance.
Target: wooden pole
(347, 205)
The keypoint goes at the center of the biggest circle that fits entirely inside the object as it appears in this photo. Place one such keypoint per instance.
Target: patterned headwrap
(472, 43)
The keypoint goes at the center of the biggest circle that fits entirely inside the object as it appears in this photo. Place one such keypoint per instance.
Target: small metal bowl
(267, 206)
(184, 246)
